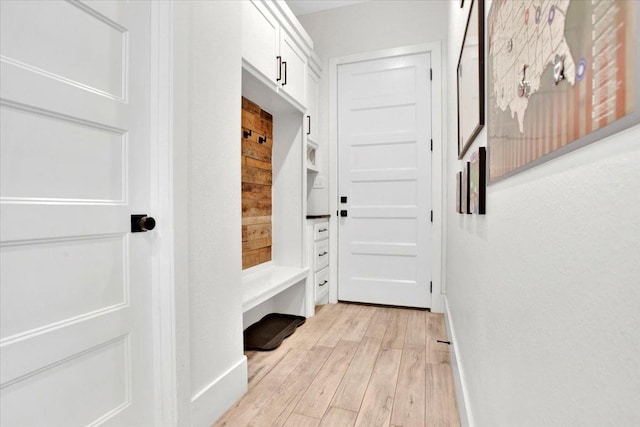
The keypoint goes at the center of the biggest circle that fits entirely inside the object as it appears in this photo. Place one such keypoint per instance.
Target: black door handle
(308, 125)
(141, 223)
(279, 58)
(343, 213)
(285, 73)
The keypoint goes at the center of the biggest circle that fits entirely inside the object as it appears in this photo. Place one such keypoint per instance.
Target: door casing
(438, 160)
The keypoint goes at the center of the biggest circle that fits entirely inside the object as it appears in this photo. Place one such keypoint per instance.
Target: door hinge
(430, 73)
(432, 145)
(431, 216)
(430, 287)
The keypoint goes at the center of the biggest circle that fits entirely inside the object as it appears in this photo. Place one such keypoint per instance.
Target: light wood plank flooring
(353, 365)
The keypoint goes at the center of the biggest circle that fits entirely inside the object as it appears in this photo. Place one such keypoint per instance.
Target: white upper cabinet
(260, 39)
(313, 82)
(294, 68)
(275, 48)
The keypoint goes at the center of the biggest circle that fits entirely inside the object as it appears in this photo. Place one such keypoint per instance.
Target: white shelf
(261, 283)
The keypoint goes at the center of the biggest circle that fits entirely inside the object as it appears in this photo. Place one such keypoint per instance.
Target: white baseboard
(466, 419)
(213, 400)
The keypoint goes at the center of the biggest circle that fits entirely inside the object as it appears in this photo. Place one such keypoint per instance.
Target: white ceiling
(305, 7)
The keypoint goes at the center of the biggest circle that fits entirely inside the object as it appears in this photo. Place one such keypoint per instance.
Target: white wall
(365, 27)
(543, 291)
(211, 371)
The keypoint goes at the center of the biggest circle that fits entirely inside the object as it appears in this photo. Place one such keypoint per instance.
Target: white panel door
(75, 330)
(384, 128)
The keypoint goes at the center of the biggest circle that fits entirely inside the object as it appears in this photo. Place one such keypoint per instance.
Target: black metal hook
(262, 139)
(246, 133)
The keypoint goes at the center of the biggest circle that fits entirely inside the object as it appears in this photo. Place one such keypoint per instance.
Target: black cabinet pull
(285, 73)
(323, 254)
(323, 283)
(279, 58)
(308, 125)
(322, 230)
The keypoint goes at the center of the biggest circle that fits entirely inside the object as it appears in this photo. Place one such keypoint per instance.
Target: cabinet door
(260, 38)
(294, 68)
(312, 107)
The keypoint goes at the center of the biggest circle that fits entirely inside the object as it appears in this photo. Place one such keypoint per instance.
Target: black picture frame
(478, 181)
(459, 192)
(483, 181)
(470, 121)
(464, 194)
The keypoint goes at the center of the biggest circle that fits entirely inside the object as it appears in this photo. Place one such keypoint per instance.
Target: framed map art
(471, 78)
(561, 74)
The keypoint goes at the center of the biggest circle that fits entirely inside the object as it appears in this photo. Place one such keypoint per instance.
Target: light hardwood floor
(352, 365)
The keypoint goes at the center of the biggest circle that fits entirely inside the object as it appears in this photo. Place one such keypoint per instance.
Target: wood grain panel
(378, 326)
(394, 337)
(408, 406)
(258, 164)
(256, 244)
(337, 417)
(340, 326)
(354, 384)
(251, 403)
(297, 420)
(441, 408)
(316, 400)
(256, 220)
(281, 403)
(416, 334)
(257, 179)
(359, 324)
(256, 176)
(255, 232)
(256, 151)
(378, 400)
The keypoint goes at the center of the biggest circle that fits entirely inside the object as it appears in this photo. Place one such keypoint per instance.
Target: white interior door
(75, 331)
(384, 162)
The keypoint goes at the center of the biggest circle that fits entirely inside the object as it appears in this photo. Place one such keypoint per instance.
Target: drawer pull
(322, 230)
(323, 253)
(323, 283)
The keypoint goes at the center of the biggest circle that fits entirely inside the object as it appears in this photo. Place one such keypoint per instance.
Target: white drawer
(321, 284)
(320, 231)
(321, 255)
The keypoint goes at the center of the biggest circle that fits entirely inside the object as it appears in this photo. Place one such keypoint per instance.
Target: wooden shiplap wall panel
(257, 181)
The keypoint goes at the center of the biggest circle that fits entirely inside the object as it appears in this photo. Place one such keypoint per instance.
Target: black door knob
(140, 223)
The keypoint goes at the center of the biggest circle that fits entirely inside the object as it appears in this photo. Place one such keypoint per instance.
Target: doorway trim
(437, 179)
(164, 316)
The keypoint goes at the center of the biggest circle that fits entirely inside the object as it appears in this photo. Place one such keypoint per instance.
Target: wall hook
(246, 134)
(262, 139)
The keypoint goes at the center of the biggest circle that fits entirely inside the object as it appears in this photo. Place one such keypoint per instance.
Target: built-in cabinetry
(318, 236)
(276, 52)
(275, 49)
(313, 83)
(311, 118)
